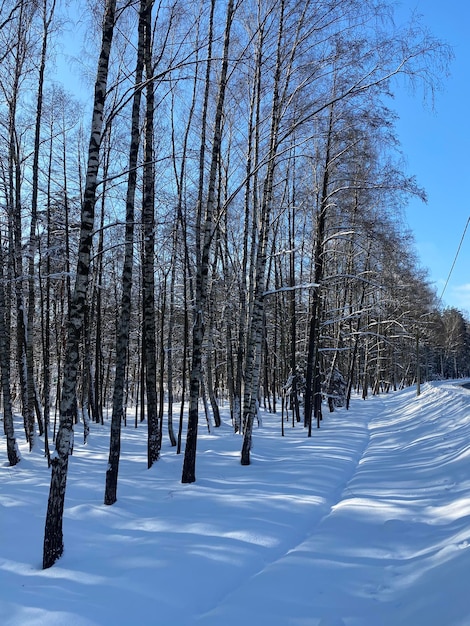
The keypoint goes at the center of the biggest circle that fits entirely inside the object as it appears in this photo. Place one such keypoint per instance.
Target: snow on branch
(292, 288)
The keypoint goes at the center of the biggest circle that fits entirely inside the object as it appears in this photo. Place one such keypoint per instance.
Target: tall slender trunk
(53, 533)
(8, 427)
(29, 335)
(148, 219)
(16, 245)
(250, 197)
(293, 308)
(96, 383)
(203, 266)
(210, 347)
(169, 344)
(14, 208)
(181, 224)
(161, 368)
(313, 376)
(45, 287)
(344, 304)
(86, 375)
(255, 333)
(122, 336)
(353, 357)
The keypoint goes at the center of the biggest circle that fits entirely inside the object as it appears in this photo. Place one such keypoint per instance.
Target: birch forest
(202, 208)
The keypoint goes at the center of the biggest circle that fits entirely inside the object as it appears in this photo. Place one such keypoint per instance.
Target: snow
(367, 523)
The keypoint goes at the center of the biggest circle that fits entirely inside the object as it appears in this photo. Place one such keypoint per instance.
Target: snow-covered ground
(367, 523)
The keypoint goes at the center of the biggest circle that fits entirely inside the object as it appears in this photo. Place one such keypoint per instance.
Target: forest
(216, 216)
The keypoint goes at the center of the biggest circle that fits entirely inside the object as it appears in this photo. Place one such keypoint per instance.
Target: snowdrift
(366, 523)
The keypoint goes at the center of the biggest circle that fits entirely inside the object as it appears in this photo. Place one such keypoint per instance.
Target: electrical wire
(455, 259)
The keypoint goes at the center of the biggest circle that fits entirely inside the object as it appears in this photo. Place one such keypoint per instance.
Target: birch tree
(203, 265)
(255, 328)
(53, 533)
(122, 339)
(15, 69)
(8, 425)
(47, 17)
(148, 269)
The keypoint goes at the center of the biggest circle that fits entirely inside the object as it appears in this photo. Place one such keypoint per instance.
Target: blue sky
(436, 144)
(437, 147)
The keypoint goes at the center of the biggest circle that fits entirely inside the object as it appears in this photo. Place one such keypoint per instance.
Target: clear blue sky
(437, 146)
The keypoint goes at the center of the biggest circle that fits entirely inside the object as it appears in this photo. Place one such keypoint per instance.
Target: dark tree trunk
(122, 339)
(313, 375)
(29, 335)
(8, 427)
(53, 533)
(148, 219)
(202, 274)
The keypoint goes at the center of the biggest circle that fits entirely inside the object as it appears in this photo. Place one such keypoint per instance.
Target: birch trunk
(250, 197)
(122, 338)
(169, 344)
(21, 48)
(29, 335)
(53, 533)
(8, 427)
(312, 378)
(148, 219)
(255, 333)
(203, 266)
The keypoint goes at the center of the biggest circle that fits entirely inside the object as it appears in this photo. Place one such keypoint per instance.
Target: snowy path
(328, 469)
(365, 524)
(394, 549)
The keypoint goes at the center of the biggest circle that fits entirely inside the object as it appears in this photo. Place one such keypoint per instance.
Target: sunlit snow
(367, 523)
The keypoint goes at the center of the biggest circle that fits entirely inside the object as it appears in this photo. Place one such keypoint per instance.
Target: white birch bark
(53, 533)
(255, 326)
(202, 273)
(122, 339)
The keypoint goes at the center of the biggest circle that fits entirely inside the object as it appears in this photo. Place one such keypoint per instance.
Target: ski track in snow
(373, 559)
(227, 610)
(367, 523)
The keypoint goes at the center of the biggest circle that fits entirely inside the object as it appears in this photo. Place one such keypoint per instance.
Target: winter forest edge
(219, 220)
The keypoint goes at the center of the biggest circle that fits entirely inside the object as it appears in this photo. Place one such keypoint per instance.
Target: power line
(455, 259)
